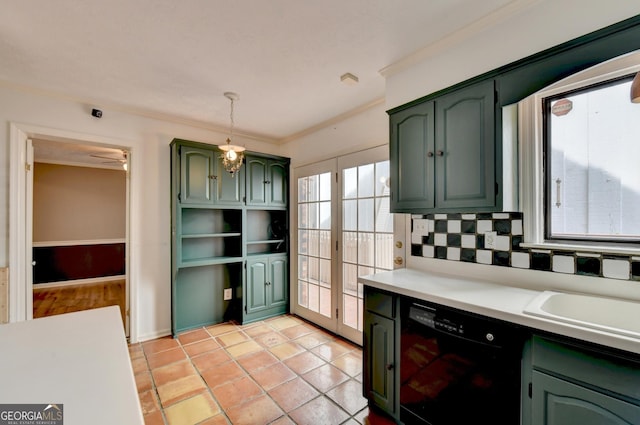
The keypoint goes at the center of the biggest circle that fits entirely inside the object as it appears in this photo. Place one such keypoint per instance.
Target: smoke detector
(349, 79)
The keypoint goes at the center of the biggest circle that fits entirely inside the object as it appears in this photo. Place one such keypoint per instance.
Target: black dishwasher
(458, 368)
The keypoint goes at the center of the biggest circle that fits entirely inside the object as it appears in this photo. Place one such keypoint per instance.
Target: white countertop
(488, 299)
(78, 359)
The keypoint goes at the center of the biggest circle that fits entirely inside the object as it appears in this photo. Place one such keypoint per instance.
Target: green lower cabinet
(560, 402)
(580, 385)
(380, 350)
(380, 362)
(266, 292)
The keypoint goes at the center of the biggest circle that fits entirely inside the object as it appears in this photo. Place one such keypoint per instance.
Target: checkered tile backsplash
(461, 237)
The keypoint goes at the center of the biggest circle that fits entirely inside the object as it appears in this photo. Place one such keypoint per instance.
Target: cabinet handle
(439, 153)
(267, 182)
(430, 154)
(212, 177)
(390, 366)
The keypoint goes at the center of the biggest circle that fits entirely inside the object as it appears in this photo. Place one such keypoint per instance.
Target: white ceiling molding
(458, 36)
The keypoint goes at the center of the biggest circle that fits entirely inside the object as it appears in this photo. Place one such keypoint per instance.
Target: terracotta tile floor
(278, 371)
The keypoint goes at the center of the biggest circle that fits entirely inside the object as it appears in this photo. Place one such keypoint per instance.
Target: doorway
(78, 227)
(90, 266)
(344, 229)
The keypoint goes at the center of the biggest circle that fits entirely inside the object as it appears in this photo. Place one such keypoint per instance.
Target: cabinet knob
(390, 366)
(430, 154)
(212, 177)
(398, 261)
(439, 153)
(399, 244)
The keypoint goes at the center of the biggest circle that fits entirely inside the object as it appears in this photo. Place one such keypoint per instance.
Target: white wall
(365, 130)
(149, 141)
(543, 24)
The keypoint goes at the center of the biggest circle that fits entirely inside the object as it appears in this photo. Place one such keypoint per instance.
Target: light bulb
(231, 155)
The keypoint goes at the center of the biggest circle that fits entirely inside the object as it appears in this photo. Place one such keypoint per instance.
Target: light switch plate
(228, 294)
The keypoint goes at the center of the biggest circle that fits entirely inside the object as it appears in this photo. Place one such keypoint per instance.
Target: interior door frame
(21, 217)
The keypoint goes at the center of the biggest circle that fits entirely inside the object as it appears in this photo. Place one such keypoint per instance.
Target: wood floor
(66, 299)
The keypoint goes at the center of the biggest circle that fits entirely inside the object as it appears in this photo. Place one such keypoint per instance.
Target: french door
(343, 229)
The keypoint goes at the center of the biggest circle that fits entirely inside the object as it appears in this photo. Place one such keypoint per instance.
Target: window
(578, 150)
(592, 189)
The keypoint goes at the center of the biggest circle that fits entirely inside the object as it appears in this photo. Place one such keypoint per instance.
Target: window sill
(604, 249)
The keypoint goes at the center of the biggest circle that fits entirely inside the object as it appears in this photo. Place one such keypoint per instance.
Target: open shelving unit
(229, 257)
(267, 232)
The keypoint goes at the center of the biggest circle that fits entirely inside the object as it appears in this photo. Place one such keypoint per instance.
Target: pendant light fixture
(635, 89)
(232, 155)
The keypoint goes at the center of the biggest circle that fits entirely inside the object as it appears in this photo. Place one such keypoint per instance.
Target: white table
(78, 359)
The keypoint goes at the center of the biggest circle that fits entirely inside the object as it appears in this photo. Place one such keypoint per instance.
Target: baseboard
(78, 282)
(154, 335)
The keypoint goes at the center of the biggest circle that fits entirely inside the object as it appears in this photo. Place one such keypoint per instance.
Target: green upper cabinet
(266, 182)
(203, 179)
(412, 158)
(443, 153)
(465, 148)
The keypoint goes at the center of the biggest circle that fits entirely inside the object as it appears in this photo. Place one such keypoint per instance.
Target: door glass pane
(325, 187)
(382, 178)
(325, 215)
(365, 215)
(367, 233)
(350, 247)
(303, 294)
(350, 215)
(325, 244)
(366, 177)
(314, 243)
(349, 183)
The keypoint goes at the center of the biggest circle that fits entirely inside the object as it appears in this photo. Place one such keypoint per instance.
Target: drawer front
(380, 303)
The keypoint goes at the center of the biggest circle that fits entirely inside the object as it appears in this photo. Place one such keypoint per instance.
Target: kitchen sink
(605, 314)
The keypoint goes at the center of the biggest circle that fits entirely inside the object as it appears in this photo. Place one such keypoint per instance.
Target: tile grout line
(349, 347)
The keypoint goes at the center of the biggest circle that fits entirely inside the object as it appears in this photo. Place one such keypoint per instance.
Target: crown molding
(458, 36)
(137, 111)
(331, 121)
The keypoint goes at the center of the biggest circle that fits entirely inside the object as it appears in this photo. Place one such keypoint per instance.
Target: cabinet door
(412, 158)
(196, 171)
(379, 361)
(256, 292)
(256, 178)
(277, 184)
(465, 148)
(277, 283)
(559, 402)
(229, 188)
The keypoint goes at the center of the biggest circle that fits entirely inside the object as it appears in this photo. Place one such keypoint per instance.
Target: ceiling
(174, 59)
